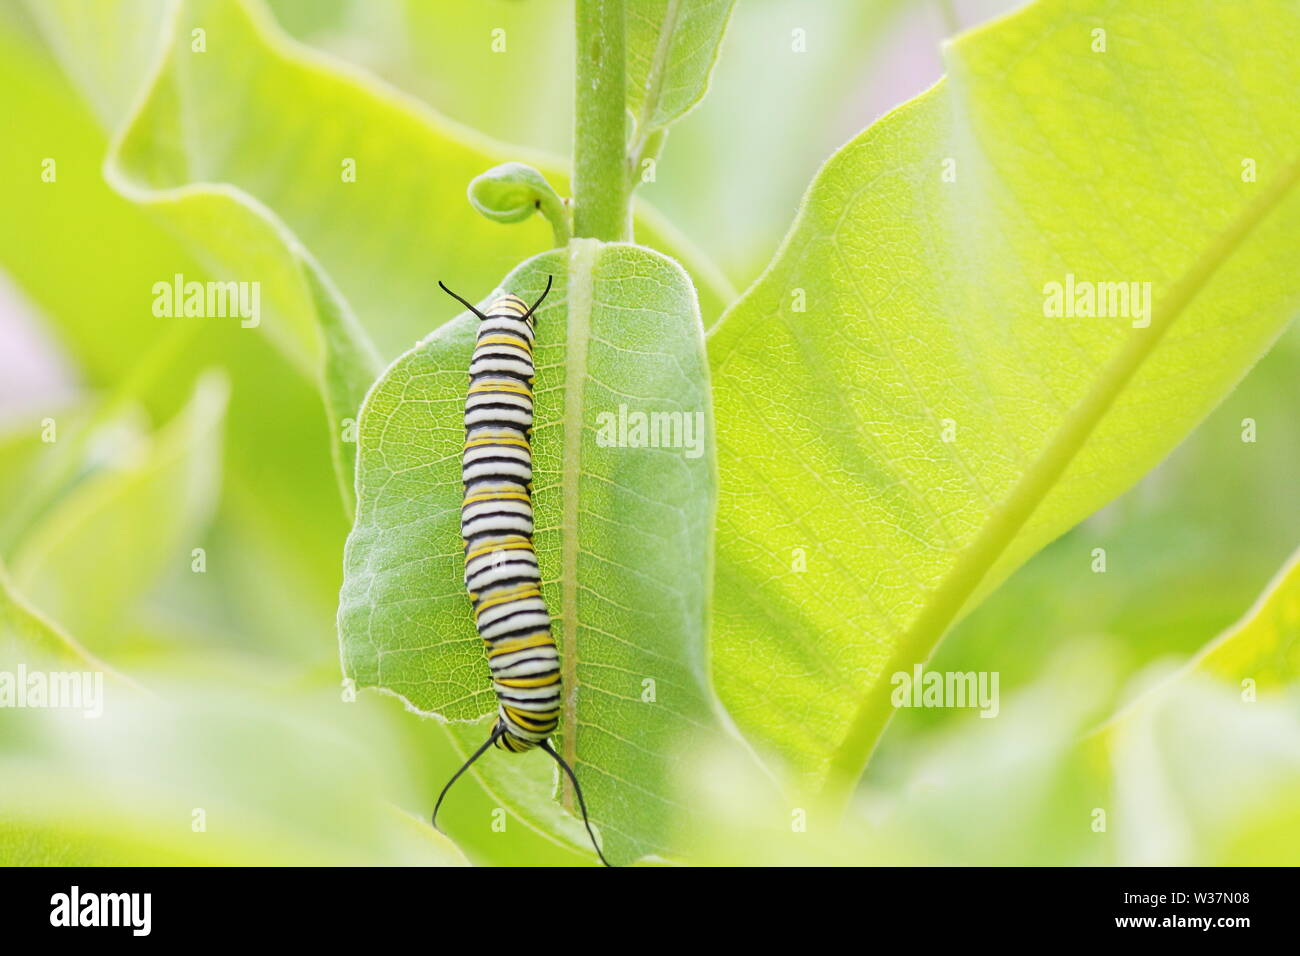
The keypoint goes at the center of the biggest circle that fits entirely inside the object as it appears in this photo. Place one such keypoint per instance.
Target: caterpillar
(496, 524)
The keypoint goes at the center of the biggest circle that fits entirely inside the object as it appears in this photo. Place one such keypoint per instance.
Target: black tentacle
(496, 732)
(462, 301)
(582, 804)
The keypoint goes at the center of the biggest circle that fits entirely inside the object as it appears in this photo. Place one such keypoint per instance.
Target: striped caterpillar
(496, 524)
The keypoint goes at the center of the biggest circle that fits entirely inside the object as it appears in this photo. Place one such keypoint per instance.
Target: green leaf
(757, 162)
(156, 166)
(280, 516)
(297, 194)
(1232, 707)
(623, 533)
(106, 47)
(277, 539)
(1008, 791)
(133, 837)
(440, 53)
(103, 318)
(347, 371)
(383, 239)
(898, 412)
(26, 634)
(1201, 776)
(102, 546)
(1043, 784)
(1264, 646)
(205, 773)
(671, 48)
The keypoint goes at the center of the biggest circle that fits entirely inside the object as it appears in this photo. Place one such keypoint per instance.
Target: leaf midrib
(655, 78)
(850, 758)
(582, 257)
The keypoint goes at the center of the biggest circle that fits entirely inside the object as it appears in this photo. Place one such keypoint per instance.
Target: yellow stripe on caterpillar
(541, 639)
(531, 720)
(514, 340)
(495, 496)
(512, 388)
(480, 442)
(506, 599)
(520, 544)
(522, 682)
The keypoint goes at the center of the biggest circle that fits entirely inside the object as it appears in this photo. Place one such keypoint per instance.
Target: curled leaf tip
(512, 192)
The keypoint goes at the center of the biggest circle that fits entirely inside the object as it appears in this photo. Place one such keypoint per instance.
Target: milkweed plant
(904, 480)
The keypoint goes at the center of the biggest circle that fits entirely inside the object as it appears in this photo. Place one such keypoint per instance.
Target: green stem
(602, 195)
(558, 217)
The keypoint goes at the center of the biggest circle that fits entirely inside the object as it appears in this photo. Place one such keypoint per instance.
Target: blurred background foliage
(174, 436)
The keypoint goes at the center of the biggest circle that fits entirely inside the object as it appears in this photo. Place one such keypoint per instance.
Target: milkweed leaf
(905, 415)
(622, 532)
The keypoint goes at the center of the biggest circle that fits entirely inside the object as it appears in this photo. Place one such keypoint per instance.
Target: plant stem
(602, 195)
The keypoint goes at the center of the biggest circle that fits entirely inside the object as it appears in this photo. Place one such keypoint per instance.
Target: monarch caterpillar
(496, 525)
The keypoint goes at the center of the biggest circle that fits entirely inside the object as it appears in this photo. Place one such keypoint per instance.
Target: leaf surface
(1232, 708)
(902, 418)
(26, 635)
(1264, 646)
(671, 48)
(1044, 785)
(102, 546)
